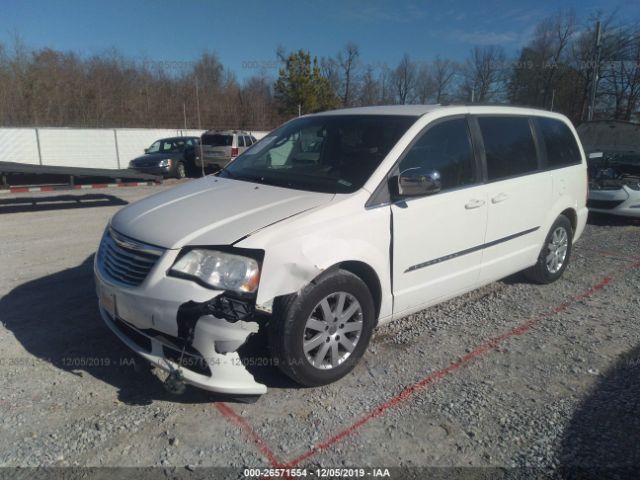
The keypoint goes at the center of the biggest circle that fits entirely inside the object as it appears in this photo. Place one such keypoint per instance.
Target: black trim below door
(469, 250)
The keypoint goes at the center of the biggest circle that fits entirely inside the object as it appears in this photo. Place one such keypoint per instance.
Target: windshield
(166, 146)
(332, 154)
(217, 140)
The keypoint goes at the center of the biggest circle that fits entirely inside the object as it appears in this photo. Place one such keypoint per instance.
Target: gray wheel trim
(332, 330)
(557, 250)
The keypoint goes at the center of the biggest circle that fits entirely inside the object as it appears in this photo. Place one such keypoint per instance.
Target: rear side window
(240, 141)
(247, 141)
(509, 146)
(217, 140)
(445, 148)
(560, 143)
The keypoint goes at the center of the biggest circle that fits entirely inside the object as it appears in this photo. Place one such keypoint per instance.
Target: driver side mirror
(418, 182)
(146, 150)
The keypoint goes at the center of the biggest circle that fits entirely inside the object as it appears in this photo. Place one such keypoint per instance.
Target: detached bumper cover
(147, 323)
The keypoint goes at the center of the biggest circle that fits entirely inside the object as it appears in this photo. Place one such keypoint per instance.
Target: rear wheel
(319, 335)
(555, 254)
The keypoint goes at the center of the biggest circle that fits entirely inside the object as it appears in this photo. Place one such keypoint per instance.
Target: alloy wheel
(557, 248)
(333, 330)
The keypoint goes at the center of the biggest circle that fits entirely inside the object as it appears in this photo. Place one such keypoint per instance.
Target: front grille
(603, 204)
(125, 260)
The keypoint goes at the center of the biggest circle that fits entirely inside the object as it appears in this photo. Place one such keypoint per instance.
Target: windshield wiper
(247, 178)
(226, 171)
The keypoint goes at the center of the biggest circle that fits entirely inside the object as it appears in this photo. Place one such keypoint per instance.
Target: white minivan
(335, 223)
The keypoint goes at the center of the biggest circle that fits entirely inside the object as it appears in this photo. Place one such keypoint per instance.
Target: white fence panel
(84, 147)
(90, 148)
(19, 145)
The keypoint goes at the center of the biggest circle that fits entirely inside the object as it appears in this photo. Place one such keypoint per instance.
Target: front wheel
(555, 254)
(319, 335)
(181, 171)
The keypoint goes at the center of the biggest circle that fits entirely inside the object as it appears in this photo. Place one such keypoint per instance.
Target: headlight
(165, 163)
(220, 270)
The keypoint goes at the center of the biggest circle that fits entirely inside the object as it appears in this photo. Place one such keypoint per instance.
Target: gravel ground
(560, 393)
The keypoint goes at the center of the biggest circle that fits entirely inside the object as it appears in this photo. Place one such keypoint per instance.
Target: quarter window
(560, 143)
(445, 148)
(509, 146)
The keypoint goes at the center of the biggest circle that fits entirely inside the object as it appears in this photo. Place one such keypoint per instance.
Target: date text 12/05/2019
(318, 472)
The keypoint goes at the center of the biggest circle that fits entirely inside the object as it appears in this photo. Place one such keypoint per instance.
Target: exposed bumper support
(228, 375)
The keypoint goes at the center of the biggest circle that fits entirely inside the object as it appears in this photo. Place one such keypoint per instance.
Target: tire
(181, 171)
(302, 317)
(558, 239)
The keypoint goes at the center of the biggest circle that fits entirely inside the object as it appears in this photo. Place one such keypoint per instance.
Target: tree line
(61, 89)
(554, 70)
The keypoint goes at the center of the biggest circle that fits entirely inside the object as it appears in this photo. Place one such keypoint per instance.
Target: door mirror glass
(418, 181)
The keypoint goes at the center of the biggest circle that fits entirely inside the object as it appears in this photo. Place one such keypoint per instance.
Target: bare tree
(551, 39)
(348, 61)
(483, 74)
(620, 70)
(404, 77)
(386, 81)
(369, 88)
(443, 72)
(424, 85)
(331, 70)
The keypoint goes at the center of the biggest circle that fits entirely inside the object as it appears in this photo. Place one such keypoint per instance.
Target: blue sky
(246, 33)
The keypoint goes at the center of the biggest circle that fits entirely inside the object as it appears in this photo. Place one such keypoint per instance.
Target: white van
(335, 223)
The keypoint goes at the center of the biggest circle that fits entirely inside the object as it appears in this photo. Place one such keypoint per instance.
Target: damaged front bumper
(147, 322)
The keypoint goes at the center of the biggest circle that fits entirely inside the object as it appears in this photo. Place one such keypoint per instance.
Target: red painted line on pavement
(231, 415)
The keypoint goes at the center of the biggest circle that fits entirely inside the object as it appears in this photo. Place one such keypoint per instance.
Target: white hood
(211, 211)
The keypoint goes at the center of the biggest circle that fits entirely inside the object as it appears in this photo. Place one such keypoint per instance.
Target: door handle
(501, 197)
(475, 203)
